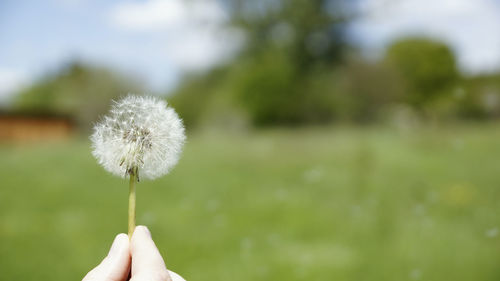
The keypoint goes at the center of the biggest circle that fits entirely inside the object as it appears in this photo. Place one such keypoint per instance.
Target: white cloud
(194, 33)
(70, 3)
(10, 81)
(154, 15)
(203, 48)
(150, 15)
(470, 27)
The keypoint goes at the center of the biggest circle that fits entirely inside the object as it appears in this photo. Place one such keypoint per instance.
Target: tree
(367, 89)
(479, 97)
(427, 66)
(80, 91)
(279, 75)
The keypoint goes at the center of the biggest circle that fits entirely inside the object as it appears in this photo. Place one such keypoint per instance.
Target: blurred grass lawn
(334, 204)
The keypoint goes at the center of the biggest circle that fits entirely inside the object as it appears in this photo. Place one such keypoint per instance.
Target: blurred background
(327, 139)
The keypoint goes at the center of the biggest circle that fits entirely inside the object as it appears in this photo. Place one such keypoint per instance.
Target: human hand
(137, 259)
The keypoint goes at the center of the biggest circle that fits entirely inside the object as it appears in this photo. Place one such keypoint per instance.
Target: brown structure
(34, 127)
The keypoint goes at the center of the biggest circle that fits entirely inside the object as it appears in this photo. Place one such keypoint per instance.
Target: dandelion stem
(131, 206)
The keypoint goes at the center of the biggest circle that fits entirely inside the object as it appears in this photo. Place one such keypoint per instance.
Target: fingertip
(145, 255)
(122, 238)
(175, 276)
(120, 244)
(116, 265)
(141, 230)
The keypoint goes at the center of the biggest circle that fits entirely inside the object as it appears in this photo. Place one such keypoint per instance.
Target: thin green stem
(131, 206)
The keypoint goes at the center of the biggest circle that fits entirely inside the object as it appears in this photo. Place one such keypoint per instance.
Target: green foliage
(290, 47)
(336, 204)
(283, 74)
(309, 32)
(208, 99)
(267, 90)
(367, 89)
(192, 96)
(479, 97)
(79, 91)
(427, 66)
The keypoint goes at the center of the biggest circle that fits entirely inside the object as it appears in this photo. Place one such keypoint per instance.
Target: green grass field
(317, 204)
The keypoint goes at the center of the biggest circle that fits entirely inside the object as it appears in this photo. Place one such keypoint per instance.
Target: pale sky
(470, 27)
(158, 40)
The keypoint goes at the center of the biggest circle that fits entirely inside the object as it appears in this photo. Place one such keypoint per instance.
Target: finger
(147, 263)
(175, 276)
(116, 265)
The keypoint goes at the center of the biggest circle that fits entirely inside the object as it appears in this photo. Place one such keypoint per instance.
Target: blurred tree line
(77, 90)
(295, 68)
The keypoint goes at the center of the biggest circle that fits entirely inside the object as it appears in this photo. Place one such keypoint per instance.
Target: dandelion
(140, 138)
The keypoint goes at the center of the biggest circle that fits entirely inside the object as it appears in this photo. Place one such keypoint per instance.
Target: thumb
(147, 263)
(116, 265)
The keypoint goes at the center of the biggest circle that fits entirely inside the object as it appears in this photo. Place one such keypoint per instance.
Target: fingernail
(115, 247)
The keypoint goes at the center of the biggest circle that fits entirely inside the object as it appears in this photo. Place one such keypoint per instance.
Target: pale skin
(135, 259)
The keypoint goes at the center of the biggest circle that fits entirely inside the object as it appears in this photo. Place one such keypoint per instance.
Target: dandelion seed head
(140, 134)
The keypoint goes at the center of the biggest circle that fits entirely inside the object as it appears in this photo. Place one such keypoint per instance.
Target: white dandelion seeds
(141, 137)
